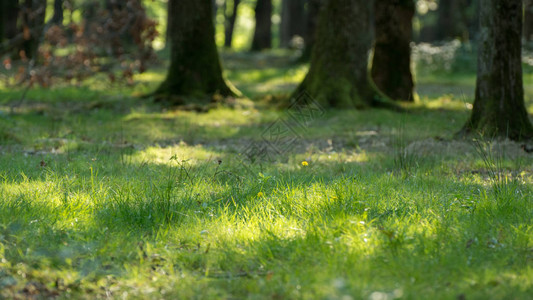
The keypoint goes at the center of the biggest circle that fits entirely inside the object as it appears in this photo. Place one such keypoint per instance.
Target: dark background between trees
(70, 41)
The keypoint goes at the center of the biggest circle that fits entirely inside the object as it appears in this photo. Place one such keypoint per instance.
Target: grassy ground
(104, 195)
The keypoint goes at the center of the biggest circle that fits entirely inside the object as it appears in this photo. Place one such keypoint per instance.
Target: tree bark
(499, 108)
(57, 18)
(451, 20)
(215, 8)
(33, 15)
(313, 9)
(391, 65)
(528, 20)
(9, 15)
(195, 70)
(338, 74)
(293, 21)
(229, 26)
(263, 26)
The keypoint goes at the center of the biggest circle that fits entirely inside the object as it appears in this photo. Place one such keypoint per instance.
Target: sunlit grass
(103, 195)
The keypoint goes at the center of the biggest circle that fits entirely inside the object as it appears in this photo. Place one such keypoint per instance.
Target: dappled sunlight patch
(70, 200)
(191, 155)
(153, 77)
(255, 83)
(450, 102)
(345, 157)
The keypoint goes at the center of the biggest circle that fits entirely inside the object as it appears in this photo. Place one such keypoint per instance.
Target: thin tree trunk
(391, 65)
(499, 108)
(195, 70)
(293, 21)
(451, 22)
(9, 16)
(34, 12)
(263, 26)
(338, 75)
(57, 18)
(230, 23)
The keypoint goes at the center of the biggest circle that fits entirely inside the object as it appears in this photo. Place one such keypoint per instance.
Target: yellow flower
(260, 194)
(305, 164)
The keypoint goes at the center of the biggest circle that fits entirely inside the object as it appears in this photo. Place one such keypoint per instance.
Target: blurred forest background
(68, 41)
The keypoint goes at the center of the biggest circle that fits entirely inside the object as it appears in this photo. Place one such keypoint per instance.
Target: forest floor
(106, 195)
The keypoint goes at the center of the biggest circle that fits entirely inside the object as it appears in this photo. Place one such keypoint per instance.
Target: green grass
(106, 195)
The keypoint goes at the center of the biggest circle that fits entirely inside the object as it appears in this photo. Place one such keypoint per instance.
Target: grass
(103, 195)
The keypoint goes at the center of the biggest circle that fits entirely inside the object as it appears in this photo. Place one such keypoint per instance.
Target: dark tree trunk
(313, 9)
(528, 20)
(499, 108)
(9, 15)
(338, 75)
(195, 70)
(391, 65)
(263, 25)
(229, 26)
(215, 8)
(57, 18)
(169, 21)
(112, 5)
(34, 12)
(293, 21)
(451, 23)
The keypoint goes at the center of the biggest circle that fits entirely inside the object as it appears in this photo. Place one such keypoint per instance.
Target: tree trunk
(528, 20)
(112, 5)
(169, 21)
(33, 15)
(451, 20)
(229, 26)
(195, 70)
(499, 108)
(338, 75)
(215, 8)
(313, 9)
(391, 65)
(293, 21)
(9, 15)
(57, 18)
(263, 26)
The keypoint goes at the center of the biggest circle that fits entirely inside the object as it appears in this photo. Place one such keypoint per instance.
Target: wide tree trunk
(293, 21)
(33, 15)
(338, 75)
(195, 69)
(263, 25)
(391, 65)
(229, 26)
(499, 108)
(528, 20)
(313, 9)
